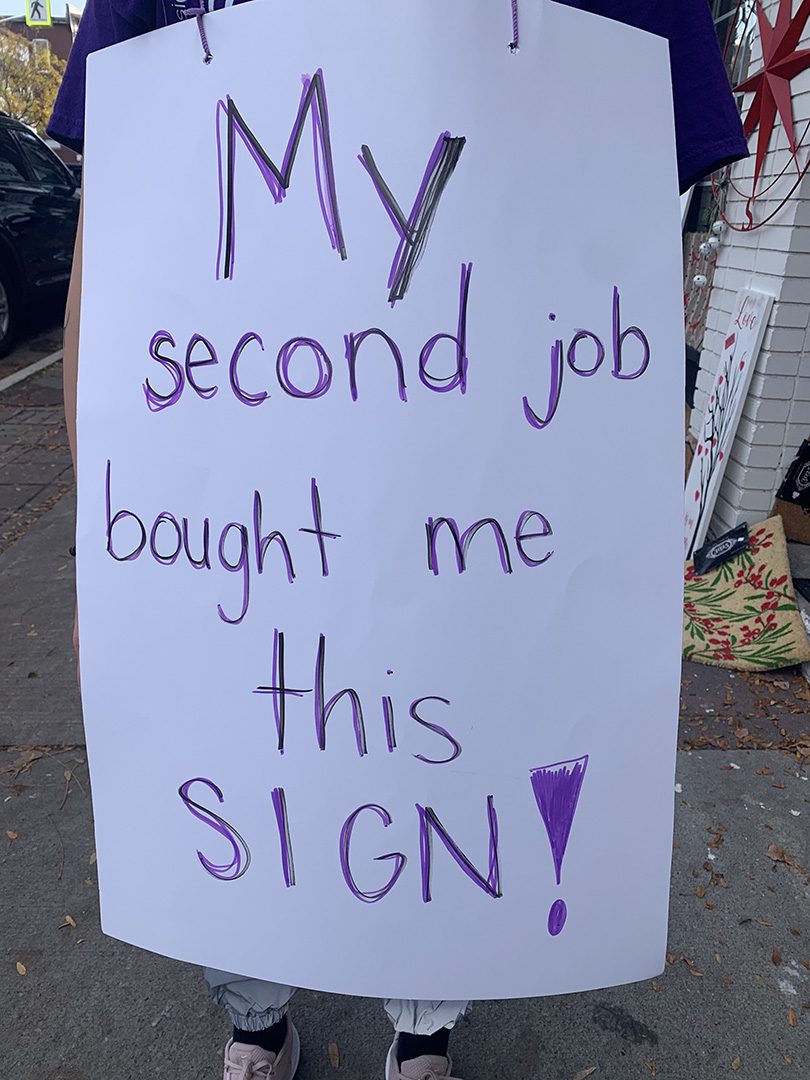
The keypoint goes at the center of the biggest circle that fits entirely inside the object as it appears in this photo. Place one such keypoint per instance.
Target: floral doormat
(743, 614)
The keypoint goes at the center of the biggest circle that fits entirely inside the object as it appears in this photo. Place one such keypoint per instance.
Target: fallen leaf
(744, 920)
(778, 854)
(93, 859)
(726, 981)
(650, 1066)
(763, 922)
(21, 969)
(788, 1060)
(765, 771)
(671, 958)
(694, 971)
(11, 834)
(69, 921)
(805, 964)
(776, 957)
(656, 986)
(586, 1072)
(700, 892)
(736, 1063)
(792, 1020)
(334, 1055)
(709, 905)
(795, 932)
(781, 684)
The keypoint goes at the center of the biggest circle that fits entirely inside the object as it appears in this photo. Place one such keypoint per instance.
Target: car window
(44, 165)
(12, 165)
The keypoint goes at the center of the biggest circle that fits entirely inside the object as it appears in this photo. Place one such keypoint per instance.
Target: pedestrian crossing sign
(38, 12)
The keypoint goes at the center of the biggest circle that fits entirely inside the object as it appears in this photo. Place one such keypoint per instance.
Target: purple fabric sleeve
(708, 129)
(103, 23)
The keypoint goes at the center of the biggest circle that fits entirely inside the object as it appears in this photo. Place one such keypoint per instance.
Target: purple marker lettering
(324, 711)
(313, 102)
(242, 565)
(555, 388)
(584, 335)
(462, 541)
(112, 521)
(278, 689)
(240, 858)
(556, 790)
(345, 845)
(414, 230)
(282, 822)
(388, 717)
(458, 378)
(169, 519)
(155, 400)
(205, 561)
(521, 537)
(354, 341)
(263, 542)
(429, 823)
(205, 392)
(317, 529)
(437, 729)
(285, 355)
(619, 337)
(243, 395)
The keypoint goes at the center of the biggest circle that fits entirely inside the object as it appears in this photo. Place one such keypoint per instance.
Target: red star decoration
(771, 84)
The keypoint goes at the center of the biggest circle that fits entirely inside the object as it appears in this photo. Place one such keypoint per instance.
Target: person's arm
(70, 374)
(70, 360)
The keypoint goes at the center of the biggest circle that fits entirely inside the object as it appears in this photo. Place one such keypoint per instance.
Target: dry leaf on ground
(586, 1072)
(736, 1063)
(792, 1020)
(334, 1055)
(776, 957)
(21, 969)
(11, 834)
(778, 854)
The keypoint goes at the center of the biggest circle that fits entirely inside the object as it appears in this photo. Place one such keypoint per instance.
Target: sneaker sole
(295, 1054)
(389, 1063)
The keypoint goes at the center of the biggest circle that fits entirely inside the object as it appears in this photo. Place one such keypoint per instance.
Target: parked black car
(39, 211)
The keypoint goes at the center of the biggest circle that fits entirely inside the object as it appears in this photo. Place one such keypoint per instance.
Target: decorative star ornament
(771, 84)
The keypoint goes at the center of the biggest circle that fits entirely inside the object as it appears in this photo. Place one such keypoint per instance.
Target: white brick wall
(776, 260)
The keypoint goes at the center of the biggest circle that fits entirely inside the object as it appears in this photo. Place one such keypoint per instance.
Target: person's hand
(76, 645)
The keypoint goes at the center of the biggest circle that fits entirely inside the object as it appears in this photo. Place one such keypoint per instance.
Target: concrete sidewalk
(734, 996)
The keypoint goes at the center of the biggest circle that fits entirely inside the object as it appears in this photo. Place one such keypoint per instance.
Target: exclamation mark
(556, 790)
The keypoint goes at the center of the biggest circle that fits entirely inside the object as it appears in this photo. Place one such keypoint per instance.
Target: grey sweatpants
(253, 1005)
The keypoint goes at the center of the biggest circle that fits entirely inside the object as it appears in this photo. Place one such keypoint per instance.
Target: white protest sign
(379, 464)
(721, 418)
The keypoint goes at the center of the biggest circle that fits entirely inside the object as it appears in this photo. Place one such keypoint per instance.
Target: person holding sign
(264, 1041)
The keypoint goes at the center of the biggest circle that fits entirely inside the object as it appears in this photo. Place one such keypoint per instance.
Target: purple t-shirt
(707, 125)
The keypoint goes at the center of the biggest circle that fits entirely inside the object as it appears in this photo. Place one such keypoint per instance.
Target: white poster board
(332, 744)
(721, 417)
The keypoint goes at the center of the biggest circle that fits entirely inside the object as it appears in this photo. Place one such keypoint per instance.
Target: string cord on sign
(199, 13)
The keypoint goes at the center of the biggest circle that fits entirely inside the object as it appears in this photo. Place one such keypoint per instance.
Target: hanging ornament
(704, 248)
(699, 281)
(771, 84)
(771, 87)
(717, 227)
(713, 243)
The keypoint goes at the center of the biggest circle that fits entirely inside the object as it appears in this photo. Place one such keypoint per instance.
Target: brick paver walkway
(35, 467)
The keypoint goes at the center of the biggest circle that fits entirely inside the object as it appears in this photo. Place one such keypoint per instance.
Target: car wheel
(8, 311)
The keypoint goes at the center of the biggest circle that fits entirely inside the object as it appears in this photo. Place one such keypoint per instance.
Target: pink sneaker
(421, 1068)
(245, 1062)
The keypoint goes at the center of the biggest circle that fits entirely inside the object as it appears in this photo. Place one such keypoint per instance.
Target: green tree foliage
(29, 80)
